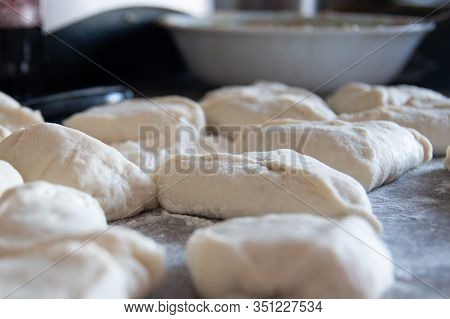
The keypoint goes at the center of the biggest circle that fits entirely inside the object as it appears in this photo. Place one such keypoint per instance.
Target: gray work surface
(414, 211)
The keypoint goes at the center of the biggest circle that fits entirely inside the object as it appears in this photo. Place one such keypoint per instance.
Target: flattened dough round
(289, 256)
(123, 121)
(9, 177)
(226, 186)
(357, 97)
(261, 102)
(61, 155)
(374, 152)
(434, 123)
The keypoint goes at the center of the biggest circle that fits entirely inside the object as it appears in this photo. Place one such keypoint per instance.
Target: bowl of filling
(319, 53)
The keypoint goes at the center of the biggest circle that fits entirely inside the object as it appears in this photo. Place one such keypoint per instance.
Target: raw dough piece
(141, 258)
(226, 186)
(149, 158)
(16, 118)
(4, 133)
(7, 101)
(447, 159)
(434, 123)
(122, 122)
(356, 97)
(61, 155)
(9, 177)
(50, 232)
(289, 256)
(89, 272)
(374, 152)
(40, 212)
(118, 263)
(261, 102)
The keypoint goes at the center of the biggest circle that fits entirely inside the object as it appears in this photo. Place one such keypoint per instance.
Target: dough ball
(118, 263)
(62, 271)
(261, 102)
(356, 97)
(15, 118)
(61, 155)
(124, 121)
(7, 101)
(40, 212)
(434, 123)
(9, 177)
(226, 186)
(289, 256)
(50, 232)
(142, 260)
(4, 133)
(373, 153)
(215, 143)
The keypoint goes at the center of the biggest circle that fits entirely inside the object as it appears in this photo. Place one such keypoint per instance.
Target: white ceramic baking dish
(321, 54)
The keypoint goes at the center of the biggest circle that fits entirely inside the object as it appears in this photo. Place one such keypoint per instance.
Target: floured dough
(9, 177)
(149, 158)
(226, 186)
(8, 101)
(356, 97)
(55, 243)
(289, 256)
(89, 272)
(124, 121)
(261, 102)
(15, 117)
(61, 155)
(434, 123)
(4, 133)
(40, 212)
(118, 263)
(447, 159)
(374, 152)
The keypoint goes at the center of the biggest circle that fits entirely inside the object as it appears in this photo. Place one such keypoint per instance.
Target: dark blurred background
(125, 45)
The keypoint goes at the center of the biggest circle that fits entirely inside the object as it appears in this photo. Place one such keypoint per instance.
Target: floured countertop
(414, 211)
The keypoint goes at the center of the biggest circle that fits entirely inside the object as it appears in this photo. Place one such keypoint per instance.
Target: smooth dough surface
(61, 155)
(447, 159)
(434, 123)
(261, 102)
(4, 133)
(373, 152)
(122, 122)
(9, 177)
(15, 118)
(225, 186)
(149, 158)
(118, 263)
(356, 97)
(8, 101)
(50, 232)
(289, 256)
(40, 212)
